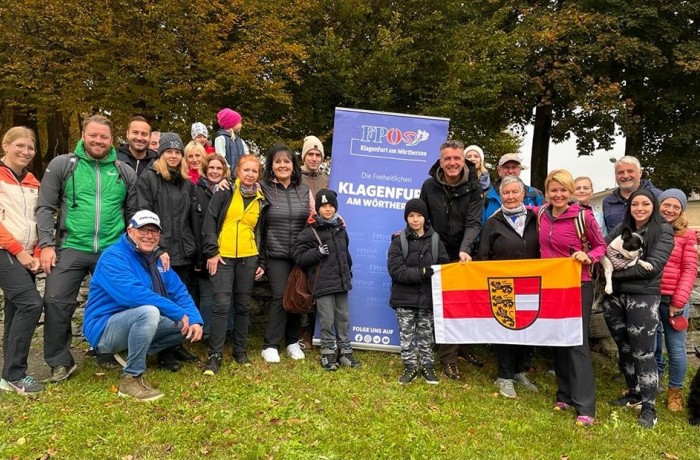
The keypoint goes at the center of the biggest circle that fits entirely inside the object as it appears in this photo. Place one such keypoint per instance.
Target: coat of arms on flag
(526, 302)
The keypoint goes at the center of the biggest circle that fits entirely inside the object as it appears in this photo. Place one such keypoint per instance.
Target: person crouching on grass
(411, 292)
(331, 257)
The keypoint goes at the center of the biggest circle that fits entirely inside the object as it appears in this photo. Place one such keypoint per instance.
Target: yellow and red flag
(523, 302)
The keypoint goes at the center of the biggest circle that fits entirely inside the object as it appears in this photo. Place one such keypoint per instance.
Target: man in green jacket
(94, 194)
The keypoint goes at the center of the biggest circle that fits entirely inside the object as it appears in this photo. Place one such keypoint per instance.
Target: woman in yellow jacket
(228, 240)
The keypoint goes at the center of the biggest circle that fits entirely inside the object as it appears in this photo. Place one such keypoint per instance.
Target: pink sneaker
(561, 406)
(584, 420)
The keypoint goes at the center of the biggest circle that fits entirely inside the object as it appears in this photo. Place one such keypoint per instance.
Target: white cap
(144, 217)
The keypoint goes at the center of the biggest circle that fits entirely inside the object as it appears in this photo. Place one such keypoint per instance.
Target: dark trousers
(511, 360)
(632, 320)
(573, 365)
(234, 278)
(186, 275)
(23, 307)
(60, 301)
(280, 324)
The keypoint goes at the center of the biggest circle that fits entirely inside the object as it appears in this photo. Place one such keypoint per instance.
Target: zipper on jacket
(98, 210)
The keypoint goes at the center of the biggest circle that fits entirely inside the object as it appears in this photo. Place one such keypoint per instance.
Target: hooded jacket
(681, 270)
(284, 218)
(122, 281)
(94, 199)
(125, 155)
(18, 197)
(454, 211)
(614, 204)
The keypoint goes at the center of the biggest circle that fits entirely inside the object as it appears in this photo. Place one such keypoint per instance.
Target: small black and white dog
(694, 400)
(623, 252)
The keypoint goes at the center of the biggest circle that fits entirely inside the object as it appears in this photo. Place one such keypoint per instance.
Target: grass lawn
(297, 410)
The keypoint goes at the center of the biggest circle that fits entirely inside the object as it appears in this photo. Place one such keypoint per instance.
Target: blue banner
(380, 161)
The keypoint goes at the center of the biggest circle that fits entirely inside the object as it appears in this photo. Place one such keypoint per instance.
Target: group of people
(479, 220)
(175, 236)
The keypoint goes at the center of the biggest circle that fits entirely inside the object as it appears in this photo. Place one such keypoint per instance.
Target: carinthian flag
(524, 302)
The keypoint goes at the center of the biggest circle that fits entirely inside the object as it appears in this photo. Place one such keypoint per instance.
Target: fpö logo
(394, 136)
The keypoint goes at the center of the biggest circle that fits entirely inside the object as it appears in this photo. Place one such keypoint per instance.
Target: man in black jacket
(135, 152)
(455, 201)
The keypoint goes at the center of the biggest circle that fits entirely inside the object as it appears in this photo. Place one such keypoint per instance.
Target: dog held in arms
(623, 252)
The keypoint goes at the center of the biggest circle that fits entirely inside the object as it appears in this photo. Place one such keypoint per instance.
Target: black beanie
(326, 196)
(415, 205)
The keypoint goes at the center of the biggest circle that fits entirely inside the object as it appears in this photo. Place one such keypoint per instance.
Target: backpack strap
(539, 216)
(580, 223)
(435, 241)
(404, 244)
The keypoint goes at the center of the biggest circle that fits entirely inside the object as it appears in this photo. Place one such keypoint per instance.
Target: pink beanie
(228, 118)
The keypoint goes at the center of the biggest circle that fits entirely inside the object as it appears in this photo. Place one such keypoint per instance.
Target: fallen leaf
(228, 431)
(100, 374)
(113, 389)
(45, 457)
(275, 421)
(128, 457)
(564, 457)
(668, 456)
(21, 441)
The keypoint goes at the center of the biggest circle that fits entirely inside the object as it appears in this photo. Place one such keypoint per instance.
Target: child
(322, 249)
(411, 293)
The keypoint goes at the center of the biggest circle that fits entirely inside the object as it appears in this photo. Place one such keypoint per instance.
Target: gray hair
(630, 160)
(511, 180)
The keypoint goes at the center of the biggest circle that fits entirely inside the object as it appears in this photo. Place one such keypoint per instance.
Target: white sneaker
(270, 355)
(294, 351)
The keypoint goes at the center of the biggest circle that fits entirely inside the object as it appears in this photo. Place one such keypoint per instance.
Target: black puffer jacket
(124, 154)
(284, 218)
(335, 271)
(454, 211)
(174, 201)
(500, 241)
(409, 289)
(203, 194)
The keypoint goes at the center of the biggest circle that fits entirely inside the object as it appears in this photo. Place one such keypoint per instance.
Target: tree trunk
(540, 145)
(26, 116)
(58, 133)
(634, 135)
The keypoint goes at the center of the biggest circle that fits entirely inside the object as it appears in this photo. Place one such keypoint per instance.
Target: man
(312, 156)
(628, 175)
(94, 194)
(135, 305)
(228, 142)
(135, 152)
(454, 199)
(509, 165)
(154, 142)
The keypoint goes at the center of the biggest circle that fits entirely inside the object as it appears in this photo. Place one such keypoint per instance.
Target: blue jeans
(141, 331)
(675, 346)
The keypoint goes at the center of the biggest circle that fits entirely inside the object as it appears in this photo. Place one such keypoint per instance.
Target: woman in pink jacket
(677, 282)
(559, 238)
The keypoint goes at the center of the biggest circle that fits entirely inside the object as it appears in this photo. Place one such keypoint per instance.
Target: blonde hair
(214, 157)
(562, 176)
(580, 178)
(98, 119)
(192, 145)
(18, 132)
(680, 224)
(162, 168)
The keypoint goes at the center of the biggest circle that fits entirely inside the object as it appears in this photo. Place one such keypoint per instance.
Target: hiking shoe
(647, 418)
(106, 361)
(559, 405)
(629, 399)
(242, 358)
(213, 364)
(674, 401)
(451, 371)
(328, 362)
(469, 358)
(120, 358)
(168, 361)
(181, 354)
(138, 388)
(429, 376)
(584, 420)
(270, 355)
(347, 360)
(506, 388)
(522, 379)
(409, 375)
(61, 373)
(25, 387)
(294, 351)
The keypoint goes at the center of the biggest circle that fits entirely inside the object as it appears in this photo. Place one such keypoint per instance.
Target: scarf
(150, 261)
(516, 218)
(249, 192)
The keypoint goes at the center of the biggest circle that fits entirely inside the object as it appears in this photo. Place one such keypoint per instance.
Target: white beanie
(311, 143)
(199, 128)
(478, 150)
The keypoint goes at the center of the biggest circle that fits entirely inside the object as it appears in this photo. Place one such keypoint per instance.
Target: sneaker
(25, 387)
(61, 373)
(647, 418)
(121, 358)
(451, 371)
(106, 361)
(506, 388)
(429, 376)
(562, 406)
(242, 358)
(328, 362)
(213, 364)
(138, 388)
(347, 360)
(522, 379)
(584, 420)
(469, 358)
(294, 351)
(409, 375)
(629, 399)
(168, 361)
(181, 354)
(270, 355)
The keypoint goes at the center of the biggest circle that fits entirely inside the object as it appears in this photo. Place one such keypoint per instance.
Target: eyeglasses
(510, 167)
(145, 231)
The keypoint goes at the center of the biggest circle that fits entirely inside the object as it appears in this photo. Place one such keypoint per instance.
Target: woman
(677, 282)
(475, 154)
(559, 238)
(213, 170)
(232, 259)
(194, 154)
(19, 258)
(290, 204)
(632, 310)
(583, 191)
(511, 233)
